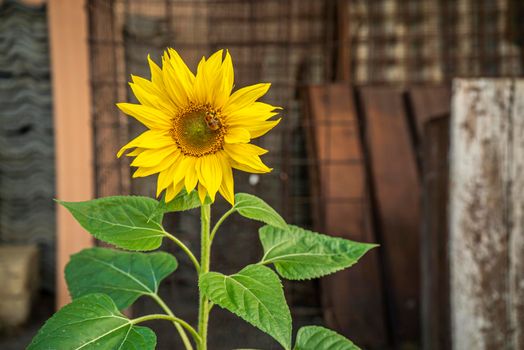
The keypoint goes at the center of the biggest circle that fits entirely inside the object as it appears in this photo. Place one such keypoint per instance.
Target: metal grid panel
(420, 41)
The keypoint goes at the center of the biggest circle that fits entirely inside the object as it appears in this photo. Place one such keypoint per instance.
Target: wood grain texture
(516, 241)
(73, 127)
(352, 299)
(428, 102)
(435, 314)
(486, 200)
(396, 188)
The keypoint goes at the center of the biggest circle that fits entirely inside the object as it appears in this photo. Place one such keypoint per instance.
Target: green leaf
(123, 276)
(254, 294)
(182, 202)
(255, 208)
(92, 322)
(320, 338)
(128, 222)
(185, 201)
(301, 254)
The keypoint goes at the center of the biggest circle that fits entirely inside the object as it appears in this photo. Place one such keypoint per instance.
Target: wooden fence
(449, 272)
(368, 145)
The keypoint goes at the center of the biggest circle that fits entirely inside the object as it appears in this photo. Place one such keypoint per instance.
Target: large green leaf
(254, 294)
(128, 222)
(320, 338)
(255, 208)
(124, 276)
(92, 322)
(301, 254)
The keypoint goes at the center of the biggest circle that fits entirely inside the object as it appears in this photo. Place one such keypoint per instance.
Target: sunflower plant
(198, 131)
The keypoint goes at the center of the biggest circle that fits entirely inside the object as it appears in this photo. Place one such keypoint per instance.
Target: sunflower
(198, 129)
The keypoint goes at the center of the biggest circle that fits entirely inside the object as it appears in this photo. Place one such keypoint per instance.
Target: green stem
(220, 221)
(178, 327)
(185, 249)
(169, 318)
(203, 307)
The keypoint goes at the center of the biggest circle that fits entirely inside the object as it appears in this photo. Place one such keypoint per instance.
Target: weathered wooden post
(486, 214)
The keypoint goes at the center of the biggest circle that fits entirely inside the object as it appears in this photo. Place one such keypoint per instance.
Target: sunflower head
(198, 128)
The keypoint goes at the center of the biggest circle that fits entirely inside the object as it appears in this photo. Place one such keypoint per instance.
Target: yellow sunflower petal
(153, 157)
(166, 163)
(173, 190)
(228, 74)
(151, 98)
(237, 135)
(148, 139)
(144, 97)
(156, 74)
(150, 117)
(246, 157)
(246, 96)
(147, 86)
(182, 168)
(248, 116)
(191, 178)
(210, 174)
(262, 128)
(213, 78)
(178, 78)
(227, 186)
(199, 89)
(202, 193)
(186, 76)
(135, 152)
(165, 178)
(176, 190)
(177, 95)
(260, 110)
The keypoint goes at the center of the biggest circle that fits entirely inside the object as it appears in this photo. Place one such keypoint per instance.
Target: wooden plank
(73, 132)
(435, 314)
(428, 102)
(482, 205)
(430, 108)
(344, 63)
(516, 241)
(396, 190)
(352, 299)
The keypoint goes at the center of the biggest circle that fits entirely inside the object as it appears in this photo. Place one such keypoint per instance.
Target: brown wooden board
(434, 250)
(396, 192)
(352, 299)
(428, 102)
(430, 107)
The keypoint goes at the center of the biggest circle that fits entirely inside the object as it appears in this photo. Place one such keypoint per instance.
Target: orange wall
(68, 32)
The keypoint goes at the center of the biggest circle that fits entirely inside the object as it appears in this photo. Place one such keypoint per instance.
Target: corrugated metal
(27, 172)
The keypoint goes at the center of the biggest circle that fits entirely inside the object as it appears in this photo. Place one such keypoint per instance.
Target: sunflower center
(198, 130)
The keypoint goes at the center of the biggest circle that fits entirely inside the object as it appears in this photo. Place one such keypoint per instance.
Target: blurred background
(363, 152)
